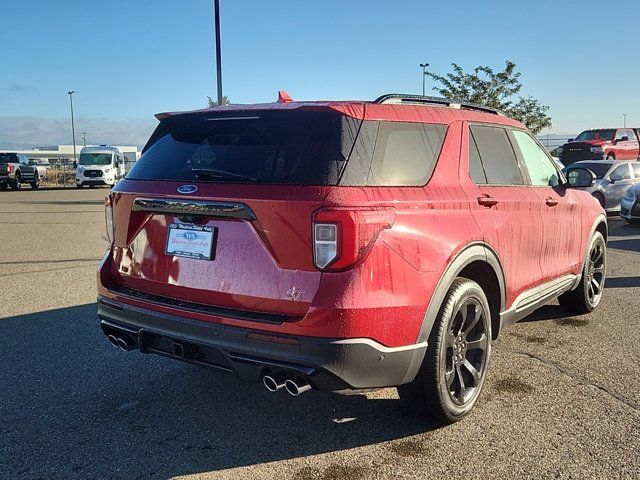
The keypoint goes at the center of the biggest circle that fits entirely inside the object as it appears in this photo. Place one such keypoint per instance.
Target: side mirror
(580, 178)
(570, 140)
(624, 139)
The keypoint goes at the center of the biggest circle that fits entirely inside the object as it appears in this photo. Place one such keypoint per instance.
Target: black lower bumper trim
(327, 364)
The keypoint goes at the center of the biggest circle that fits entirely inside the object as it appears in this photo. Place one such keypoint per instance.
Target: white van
(101, 165)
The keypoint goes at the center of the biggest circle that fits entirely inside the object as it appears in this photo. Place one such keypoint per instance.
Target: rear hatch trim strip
(176, 206)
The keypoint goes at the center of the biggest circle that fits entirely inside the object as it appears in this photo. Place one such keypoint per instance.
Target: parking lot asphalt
(562, 398)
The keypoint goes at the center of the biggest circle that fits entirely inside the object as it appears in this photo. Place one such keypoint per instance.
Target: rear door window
(405, 153)
(497, 155)
(541, 171)
(636, 169)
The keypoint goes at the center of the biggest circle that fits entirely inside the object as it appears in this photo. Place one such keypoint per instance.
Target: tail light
(9, 168)
(108, 216)
(343, 237)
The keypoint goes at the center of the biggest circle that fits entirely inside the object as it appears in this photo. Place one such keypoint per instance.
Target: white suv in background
(101, 165)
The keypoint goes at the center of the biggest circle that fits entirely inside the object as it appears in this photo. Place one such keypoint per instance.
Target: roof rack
(400, 98)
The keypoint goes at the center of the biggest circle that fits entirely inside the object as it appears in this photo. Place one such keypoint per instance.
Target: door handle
(551, 202)
(487, 201)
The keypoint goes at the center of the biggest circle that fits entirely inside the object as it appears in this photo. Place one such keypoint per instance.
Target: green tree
(494, 89)
(214, 103)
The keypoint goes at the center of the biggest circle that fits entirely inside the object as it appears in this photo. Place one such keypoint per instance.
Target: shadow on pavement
(74, 407)
(622, 282)
(630, 244)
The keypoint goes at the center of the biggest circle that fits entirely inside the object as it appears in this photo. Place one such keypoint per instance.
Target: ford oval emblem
(186, 189)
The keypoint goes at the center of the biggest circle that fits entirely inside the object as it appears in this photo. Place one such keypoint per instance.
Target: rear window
(599, 169)
(8, 158)
(283, 147)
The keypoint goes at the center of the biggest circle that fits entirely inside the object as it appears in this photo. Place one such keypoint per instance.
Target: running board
(530, 300)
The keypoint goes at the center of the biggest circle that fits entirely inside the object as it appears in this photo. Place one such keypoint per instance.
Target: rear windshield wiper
(221, 174)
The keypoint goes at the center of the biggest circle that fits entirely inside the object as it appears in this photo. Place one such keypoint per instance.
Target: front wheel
(586, 297)
(452, 374)
(35, 184)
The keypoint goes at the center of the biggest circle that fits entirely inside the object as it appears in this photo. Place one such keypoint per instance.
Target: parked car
(41, 164)
(630, 205)
(103, 165)
(345, 245)
(605, 143)
(15, 170)
(613, 178)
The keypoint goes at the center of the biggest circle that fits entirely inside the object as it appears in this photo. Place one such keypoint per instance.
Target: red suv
(345, 245)
(606, 143)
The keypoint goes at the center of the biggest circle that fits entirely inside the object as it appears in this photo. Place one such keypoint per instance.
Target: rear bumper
(327, 364)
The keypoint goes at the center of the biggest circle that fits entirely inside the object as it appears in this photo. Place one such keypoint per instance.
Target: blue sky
(130, 59)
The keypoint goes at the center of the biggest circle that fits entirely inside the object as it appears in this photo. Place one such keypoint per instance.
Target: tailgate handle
(551, 202)
(487, 201)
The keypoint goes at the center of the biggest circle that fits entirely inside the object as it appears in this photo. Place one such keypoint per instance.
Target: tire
(611, 156)
(600, 198)
(3, 186)
(437, 390)
(586, 297)
(16, 183)
(78, 185)
(36, 183)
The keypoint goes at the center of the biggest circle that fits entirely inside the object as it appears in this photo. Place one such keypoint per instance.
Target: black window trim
(523, 171)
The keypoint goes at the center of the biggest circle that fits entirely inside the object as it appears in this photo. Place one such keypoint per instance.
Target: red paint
(401, 240)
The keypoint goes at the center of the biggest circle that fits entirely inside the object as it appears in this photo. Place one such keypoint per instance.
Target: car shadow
(627, 244)
(546, 312)
(72, 406)
(622, 282)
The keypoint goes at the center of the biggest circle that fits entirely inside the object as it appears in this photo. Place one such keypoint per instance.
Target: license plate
(190, 241)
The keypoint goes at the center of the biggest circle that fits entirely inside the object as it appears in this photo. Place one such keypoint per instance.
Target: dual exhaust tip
(294, 386)
(123, 343)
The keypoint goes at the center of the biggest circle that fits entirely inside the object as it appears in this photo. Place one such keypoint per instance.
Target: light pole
(73, 127)
(424, 74)
(84, 138)
(216, 8)
(624, 115)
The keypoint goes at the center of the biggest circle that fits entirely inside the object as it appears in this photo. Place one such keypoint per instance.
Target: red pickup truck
(604, 143)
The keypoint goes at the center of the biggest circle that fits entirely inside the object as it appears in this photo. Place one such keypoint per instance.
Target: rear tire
(452, 374)
(36, 183)
(3, 186)
(16, 183)
(586, 297)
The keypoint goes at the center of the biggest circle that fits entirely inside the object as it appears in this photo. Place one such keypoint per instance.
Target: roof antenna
(284, 97)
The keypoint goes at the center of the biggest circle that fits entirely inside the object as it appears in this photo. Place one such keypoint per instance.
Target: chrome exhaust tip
(296, 386)
(124, 343)
(275, 382)
(113, 341)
